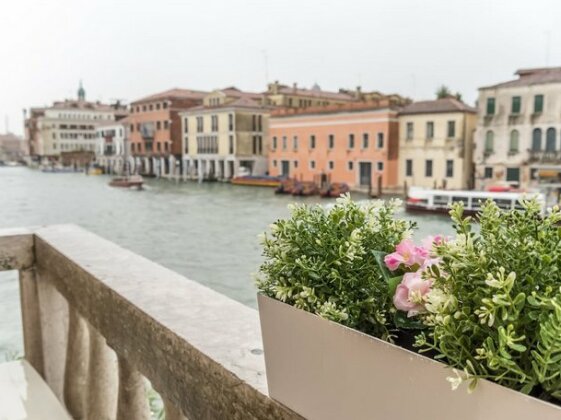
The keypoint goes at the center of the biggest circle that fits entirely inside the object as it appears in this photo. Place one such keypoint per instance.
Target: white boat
(440, 201)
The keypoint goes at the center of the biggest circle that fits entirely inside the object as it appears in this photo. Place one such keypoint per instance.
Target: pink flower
(408, 254)
(410, 292)
(431, 241)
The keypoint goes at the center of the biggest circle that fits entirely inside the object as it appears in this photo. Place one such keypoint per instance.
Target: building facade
(68, 126)
(436, 144)
(519, 130)
(154, 130)
(356, 144)
(12, 148)
(226, 136)
(298, 97)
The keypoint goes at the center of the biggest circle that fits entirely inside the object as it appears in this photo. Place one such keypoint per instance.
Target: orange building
(354, 143)
(154, 128)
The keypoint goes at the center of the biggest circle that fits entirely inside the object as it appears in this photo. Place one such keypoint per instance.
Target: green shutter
(490, 106)
(516, 101)
(538, 104)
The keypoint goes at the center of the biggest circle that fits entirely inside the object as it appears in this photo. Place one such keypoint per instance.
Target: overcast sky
(128, 49)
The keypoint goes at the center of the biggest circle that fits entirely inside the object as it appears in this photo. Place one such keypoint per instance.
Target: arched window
(489, 137)
(537, 140)
(514, 141)
(550, 140)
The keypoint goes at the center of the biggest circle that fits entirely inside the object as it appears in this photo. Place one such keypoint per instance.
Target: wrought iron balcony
(544, 156)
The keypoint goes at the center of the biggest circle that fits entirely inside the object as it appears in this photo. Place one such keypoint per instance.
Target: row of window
(149, 107)
(159, 125)
(85, 116)
(365, 141)
(75, 136)
(75, 127)
(149, 147)
(449, 172)
(207, 144)
(330, 164)
(515, 105)
(256, 123)
(429, 130)
(512, 174)
(303, 103)
(73, 146)
(109, 133)
(514, 141)
(230, 145)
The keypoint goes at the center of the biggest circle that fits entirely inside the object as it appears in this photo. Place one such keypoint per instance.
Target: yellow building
(226, 136)
(436, 144)
(298, 97)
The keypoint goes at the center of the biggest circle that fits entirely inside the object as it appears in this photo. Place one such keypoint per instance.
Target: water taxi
(131, 181)
(440, 201)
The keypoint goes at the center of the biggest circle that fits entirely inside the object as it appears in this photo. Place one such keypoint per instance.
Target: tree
(443, 92)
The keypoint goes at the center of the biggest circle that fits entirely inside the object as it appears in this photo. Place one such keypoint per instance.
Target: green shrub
(494, 310)
(323, 261)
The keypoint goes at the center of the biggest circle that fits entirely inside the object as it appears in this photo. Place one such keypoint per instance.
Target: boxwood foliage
(323, 261)
(495, 306)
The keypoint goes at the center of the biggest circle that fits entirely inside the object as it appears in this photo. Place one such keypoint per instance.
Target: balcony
(544, 156)
(99, 320)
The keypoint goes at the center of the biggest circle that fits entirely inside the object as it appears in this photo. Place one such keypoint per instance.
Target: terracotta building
(154, 129)
(355, 143)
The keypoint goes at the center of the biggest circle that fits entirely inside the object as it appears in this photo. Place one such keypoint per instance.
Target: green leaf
(392, 285)
(379, 255)
(402, 321)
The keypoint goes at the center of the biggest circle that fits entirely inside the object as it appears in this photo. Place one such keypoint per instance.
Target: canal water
(207, 232)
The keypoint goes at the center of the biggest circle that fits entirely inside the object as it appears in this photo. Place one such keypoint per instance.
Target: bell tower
(81, 93)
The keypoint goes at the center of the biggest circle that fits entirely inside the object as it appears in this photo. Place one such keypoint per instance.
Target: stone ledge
(201, 350)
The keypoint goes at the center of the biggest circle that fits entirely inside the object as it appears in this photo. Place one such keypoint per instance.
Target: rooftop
(315, 92)
(242, 102)
(71, 104)
(528, 77)
(380, 104)
(449, 104)
(174, 93)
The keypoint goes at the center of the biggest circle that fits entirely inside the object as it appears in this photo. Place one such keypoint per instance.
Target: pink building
(356, 144)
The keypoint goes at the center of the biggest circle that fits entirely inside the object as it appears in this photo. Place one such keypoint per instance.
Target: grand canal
(207, 232)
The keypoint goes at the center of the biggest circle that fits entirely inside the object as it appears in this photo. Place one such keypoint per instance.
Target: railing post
(31, 320)
(102, 379)
(54, 327)
(133, 402)
(76, 369)
(172, 412)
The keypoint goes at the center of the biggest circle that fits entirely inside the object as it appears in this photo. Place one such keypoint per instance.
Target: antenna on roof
(547, 47)
(266, 60)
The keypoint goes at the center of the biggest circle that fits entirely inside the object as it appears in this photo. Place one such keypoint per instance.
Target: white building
(519, 130)
(110, 139)
(68, 125)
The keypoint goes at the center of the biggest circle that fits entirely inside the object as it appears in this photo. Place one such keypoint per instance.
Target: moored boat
(305, 188)
(335, 189)
(286, 186)
(257, 181)
(440, 201)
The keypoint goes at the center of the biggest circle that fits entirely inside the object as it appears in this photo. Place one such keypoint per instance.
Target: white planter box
(323, 370)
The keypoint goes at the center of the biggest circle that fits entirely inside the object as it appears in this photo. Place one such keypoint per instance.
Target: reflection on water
(207, 232)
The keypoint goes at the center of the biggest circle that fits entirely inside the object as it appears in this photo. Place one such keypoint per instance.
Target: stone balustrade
(98, 319)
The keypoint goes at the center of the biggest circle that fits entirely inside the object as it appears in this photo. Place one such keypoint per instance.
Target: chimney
(294, 86)
(358, 92)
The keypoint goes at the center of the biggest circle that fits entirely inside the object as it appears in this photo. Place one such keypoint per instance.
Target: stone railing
(98, 319)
